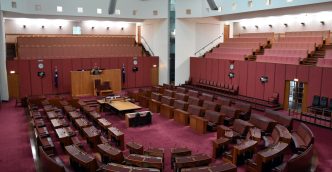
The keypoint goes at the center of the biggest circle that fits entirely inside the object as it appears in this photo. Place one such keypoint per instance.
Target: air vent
(188, 11)
(38, 7)
(134, 12)
(14, 4)
(155, 12)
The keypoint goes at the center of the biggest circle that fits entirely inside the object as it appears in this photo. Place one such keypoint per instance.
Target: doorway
(226, 32)
(139, 35)
(296, 96)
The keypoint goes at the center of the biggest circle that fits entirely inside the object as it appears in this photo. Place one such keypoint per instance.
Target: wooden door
(139, 34)
(286, 97)
(226, 32)
(154, 76)
(304, 98)
(13, 86)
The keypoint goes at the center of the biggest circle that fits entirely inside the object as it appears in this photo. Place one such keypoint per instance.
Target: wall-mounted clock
(40, 65)
(231, 66)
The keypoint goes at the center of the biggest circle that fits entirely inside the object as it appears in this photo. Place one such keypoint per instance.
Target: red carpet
(15, 149)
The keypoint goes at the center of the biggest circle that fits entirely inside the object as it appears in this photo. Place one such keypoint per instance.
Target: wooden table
(120, 106)
(47, 145)
(284, 134)
(74, 115)
(117, 136)
(112, 167)
(53, 115)
(111, 153)
(82, 123)
(177, 152)
(130, 116)
(64, 135)
(255, 134)
(82, 158)
(104, 123)
(197, 124)
(219, 146)
(191, 161)
(135, 148)
(92, 134)
(157, 152)
(145, 161)
(239, 149)
(224, 167)
(59, 123)
(94, 115)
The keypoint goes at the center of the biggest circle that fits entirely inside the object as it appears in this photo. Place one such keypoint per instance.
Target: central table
(121, 106)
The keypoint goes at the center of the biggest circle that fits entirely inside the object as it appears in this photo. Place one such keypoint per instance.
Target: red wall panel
(269, 86)
(47, 81)
(259, 87)
(105, 63)
(123, 61)
(243, 75)
(291, 72)
(279, 86)
(86, 64)
(209, 66)
(57, 64)
(67, 67)
(221, 71)
(314, 85)
(226, 72)
(114, 63)
(194, 69)
(130, 74)
(24, 77)
(76, 64)
(95, 62)
(303, 73)
(36, 82)
(140, 73)
(215, 70)
(251, 79)
(12, 65)
(202, 65)
(327, 83)
(236, 70)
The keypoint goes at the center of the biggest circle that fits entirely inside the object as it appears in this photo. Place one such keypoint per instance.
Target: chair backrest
(208, 105)
(240, 126)
(169, 93)
(316, 100)
(180, 89)
(228, 111)
(179, 104)
(194, 101)
(305, 133)
(262, 122)
(213, 116)
(324, 102)
(300, 162)
(181, 96)
(48, 163)
(167, 100)
(282, 119)
(207, 97)
(155, 96)
(195, 110)
(243, 107)
(223, 101)
(192, 93)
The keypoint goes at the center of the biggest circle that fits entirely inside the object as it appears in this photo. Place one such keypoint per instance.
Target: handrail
(209, 44)
(150, 50)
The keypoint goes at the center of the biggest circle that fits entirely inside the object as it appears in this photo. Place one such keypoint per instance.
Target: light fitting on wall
(108, 28)
(270, 25)
(256, 26)
(244, 28)
(43, 27)
(122, 28)
(285, 24)
(154, 65)
(322, 22)
(12, 72)
(24, 26)
(296, 80)
(303, 24)
(92, 27)
(60, 27)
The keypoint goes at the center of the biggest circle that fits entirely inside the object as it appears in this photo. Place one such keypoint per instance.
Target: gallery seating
(302, 137)
(324, 62)
(218, 86)
(244, 110)
(279, 59)
(268, 35)
(282, 119)
(166, 106)
(310, 46)
(254, 45)
(261, 41)
(301, 53)
(239, 57)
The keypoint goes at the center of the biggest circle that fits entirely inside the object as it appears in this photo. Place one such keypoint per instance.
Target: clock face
(40, 65)
(135, 62)
(231, 66)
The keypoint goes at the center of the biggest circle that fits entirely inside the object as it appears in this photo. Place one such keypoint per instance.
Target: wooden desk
(42, 132)
(53, 115)
(255, 134)
(112, 167)
(239, 149)
(157, 152)
(59, 123)
(74, 115)
(69, 108)
(94, 115)
(104, 123)
(47, 145)
(120, 106)
(219, 146)
(178, 152)
(38, 123)
(224, 167)
(130, 116)
(117, 136)
(181, 116)
(145, 161)
(113, 154)
(82, 123)
(135, 148)
(92, 134)
(285, 135)
(48, 108)
(64, 135)
(82, 158)
(197, 124)
(191, 161)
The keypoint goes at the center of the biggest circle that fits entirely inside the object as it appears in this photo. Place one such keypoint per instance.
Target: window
(268, 2)
(59, 9)
(250, 3)
(99, 11)
(76, 30)
(79, 9)
(14, 5)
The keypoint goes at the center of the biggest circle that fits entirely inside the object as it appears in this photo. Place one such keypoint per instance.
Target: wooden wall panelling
(291, 72)
(259, 87)
(327, 83)
(222, 75)
(279, 81)
(123, 61)
(251, 79)
(76, 64)
(13, 85)
(86, 64)
(215, 70)
(58, 64)
(36, 81)
(24, 77)
(139, 73)
(130, 74)
(314, 85)
(303, 73)
(47, 81)
(67, 67)
(226, 71)
(269, 86)
(243, 74)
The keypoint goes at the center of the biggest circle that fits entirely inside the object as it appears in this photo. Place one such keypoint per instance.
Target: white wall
(155, 32)
(312, 23)
(191, 36)
(4, 94)
(144, 9)
(51, 26)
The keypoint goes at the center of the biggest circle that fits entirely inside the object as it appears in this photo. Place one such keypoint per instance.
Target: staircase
(320, 53)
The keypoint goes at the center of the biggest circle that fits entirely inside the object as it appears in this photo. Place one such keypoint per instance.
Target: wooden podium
(82, 81)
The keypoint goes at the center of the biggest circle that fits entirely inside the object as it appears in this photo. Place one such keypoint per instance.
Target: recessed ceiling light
(59, 9)
(79, 9)
(99, 11)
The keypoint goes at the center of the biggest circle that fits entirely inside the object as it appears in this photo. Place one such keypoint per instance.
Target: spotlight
(322, 22)
(24, 26)
(303, 24)
(270, 25)
(286, 25)
(122, 28)
(256, 26)
(92, 27)
(108, 28)
(43, 26)
(60, 27)
(244, 28)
